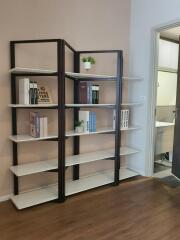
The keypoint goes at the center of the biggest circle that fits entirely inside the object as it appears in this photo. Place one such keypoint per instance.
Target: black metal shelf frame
(61, 78)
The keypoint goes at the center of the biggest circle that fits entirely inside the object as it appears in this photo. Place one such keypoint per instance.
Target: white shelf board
(32, 105)
(89, 182)
(34, 167)
(90, 76)
(35, 197)
(133, 79)
(46, 165)
(96, 180)
(100, 130)
(131, 104)
(91, 105)
(49, 193)
(31, 70)
(28, 138)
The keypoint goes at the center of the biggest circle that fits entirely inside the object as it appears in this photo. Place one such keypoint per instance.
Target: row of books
(88, 93)
(32, 93)
(89, 120)
(124, 123)
(38, 125)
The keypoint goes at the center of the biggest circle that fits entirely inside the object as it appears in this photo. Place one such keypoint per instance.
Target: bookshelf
(66, 187)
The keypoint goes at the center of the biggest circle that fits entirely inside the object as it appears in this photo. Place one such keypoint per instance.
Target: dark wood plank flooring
(143, 209)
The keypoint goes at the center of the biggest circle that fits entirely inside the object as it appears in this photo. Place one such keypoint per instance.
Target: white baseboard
(4, 198)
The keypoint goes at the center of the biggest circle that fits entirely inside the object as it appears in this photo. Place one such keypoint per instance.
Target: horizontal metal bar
(70, 47)
(99, 51)
(34, 41)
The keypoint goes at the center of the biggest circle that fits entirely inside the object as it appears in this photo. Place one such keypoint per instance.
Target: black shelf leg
(118, 116)
(76, 144)
(61, 119)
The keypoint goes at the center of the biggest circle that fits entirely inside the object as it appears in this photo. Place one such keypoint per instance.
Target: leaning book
(34, 124)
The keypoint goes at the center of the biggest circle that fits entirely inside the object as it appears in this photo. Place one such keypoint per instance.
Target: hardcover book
(44, 96)
(34, 124)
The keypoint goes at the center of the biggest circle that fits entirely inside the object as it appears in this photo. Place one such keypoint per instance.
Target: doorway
(165, 105)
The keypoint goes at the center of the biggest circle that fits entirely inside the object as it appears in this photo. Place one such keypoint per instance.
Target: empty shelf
(28, 138)
(46, 165)
(33, 105)
(91, 105)
(49, 193)
(19, 70)
(34, 167)
(35, 197)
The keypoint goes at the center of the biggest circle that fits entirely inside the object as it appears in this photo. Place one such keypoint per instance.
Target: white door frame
(153, 90)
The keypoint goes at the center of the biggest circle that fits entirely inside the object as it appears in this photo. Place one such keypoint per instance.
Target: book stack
(38, 125)
(124, 124)
(88, 93)
(89, 120)
(31, 93)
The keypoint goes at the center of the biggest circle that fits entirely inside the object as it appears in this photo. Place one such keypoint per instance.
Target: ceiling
(172, 33)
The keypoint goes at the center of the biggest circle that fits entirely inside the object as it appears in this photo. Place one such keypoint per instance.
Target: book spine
(83, 91)
(24, 91)
(93, 94)
(90, 121)
(31, 91)
(37, 125)
(45, 127)
(35, 93)
(90, 92)
(41, 126)
(94, 122)
(97, 94)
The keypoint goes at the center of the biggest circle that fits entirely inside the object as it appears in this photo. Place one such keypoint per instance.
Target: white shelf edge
(49, 193)
(30, 70)
(28, 138)
(31, 105)
(35, 197)
(85, 75)
(46, 165)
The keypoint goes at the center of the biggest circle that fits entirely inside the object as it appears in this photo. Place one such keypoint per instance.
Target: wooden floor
(143, 209)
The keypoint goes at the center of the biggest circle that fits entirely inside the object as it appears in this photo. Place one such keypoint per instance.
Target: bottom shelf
(49, 193)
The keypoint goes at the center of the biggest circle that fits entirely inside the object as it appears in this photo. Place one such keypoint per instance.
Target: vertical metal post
(61, 119)
(14, 116)
(118, 116)
(76, 140)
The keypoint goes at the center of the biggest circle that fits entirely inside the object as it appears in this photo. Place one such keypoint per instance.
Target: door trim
(155, 34)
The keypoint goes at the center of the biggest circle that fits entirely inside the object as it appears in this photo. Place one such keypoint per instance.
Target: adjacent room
(89, 120)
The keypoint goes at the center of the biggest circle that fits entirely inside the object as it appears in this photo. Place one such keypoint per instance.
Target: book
(89, 120)
(84, 116)
(85, 92)
(95, 94)
(24, 91)
(33, 93)
(34, 124)
(44, 95)
(41, 126)
(124, 122)
(45, 126)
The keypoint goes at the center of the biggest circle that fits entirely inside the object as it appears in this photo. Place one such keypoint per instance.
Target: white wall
(145, 15)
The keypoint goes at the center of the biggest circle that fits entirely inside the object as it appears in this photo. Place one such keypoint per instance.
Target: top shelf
(74, 76)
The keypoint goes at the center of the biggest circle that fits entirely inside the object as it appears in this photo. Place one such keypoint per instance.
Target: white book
(41, 126)
(45, 125)
(124, 122)
(24, 91)
(84, 116)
